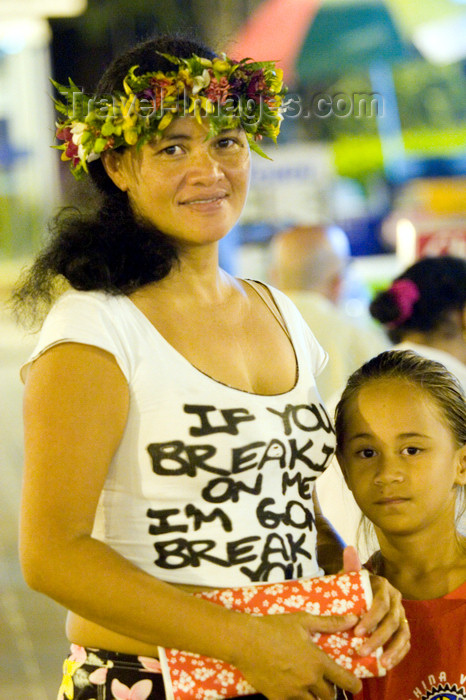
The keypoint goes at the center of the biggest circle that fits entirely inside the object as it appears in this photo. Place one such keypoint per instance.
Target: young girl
(401, 444)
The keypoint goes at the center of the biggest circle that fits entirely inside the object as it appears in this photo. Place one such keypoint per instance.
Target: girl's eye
(411, 451)
(366, 453)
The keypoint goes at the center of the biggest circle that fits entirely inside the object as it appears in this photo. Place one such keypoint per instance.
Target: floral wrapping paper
(190, 676)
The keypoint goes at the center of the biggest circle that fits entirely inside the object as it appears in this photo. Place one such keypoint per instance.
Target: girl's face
(400, 458)
(193, 188)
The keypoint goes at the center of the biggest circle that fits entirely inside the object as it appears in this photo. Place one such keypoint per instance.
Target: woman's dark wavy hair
(109, 250)
(441, 282)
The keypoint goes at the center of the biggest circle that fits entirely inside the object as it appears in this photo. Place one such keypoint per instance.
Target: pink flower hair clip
(406, 294)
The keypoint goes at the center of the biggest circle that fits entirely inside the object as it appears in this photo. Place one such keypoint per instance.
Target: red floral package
(190, 676)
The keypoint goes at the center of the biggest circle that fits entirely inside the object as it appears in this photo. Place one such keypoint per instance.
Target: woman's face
(190, 186)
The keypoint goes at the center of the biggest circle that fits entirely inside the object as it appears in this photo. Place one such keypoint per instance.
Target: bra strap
(266, 297)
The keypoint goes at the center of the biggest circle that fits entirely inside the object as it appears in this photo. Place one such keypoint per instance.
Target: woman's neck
(195, 280)
(423, 567)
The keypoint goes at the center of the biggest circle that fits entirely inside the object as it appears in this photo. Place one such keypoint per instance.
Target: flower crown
(229, 93)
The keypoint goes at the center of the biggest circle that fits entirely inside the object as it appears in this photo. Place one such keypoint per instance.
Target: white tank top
(210, 485)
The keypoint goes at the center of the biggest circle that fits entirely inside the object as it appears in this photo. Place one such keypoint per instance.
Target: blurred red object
(276, 32)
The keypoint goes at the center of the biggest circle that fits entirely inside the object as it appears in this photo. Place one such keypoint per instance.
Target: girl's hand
(279, 659)
(385, 621)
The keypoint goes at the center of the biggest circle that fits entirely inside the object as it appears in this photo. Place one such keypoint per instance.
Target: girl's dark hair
(430, 376)
(109, 250)
(441, 282)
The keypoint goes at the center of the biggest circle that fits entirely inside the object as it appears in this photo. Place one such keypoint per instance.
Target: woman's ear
(461, 466)
(113, 164)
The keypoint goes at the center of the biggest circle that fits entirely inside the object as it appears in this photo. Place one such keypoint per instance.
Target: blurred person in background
(156, 387)
(424, 310)
(309, 264)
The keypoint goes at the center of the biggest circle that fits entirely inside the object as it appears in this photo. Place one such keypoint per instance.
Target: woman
(424, 310)
(173, 428)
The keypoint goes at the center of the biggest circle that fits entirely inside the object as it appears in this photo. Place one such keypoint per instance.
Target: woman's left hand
(385, 622)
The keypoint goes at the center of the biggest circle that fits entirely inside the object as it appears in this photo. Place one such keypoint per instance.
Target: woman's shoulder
(75, 308)
(75, 298)
(88, 315)
(90, 318)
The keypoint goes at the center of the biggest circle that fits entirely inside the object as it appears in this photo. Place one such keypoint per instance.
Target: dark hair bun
(384, 307)
(441, 285)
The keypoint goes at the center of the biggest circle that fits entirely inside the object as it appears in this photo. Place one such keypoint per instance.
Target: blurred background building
(373, 141)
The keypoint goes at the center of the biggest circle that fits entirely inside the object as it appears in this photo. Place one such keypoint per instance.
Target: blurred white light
(18, 34)
(442, 41)
(355, 308)
(339, 241)
(41, 8)
(405, 242)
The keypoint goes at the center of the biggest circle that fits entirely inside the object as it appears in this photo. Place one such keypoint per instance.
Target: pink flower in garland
(159, 89)
(64, 133)
(161, 84)
(71, 151)
(257, 88)
(218, 90)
